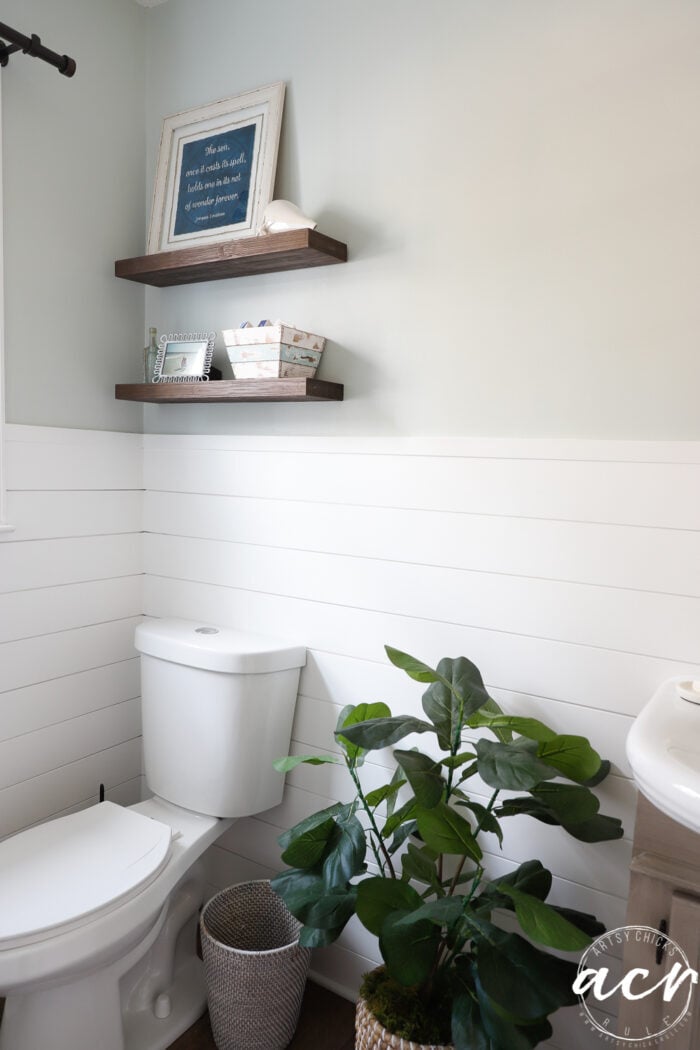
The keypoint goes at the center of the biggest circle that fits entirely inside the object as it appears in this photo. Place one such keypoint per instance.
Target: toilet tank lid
(214, 648)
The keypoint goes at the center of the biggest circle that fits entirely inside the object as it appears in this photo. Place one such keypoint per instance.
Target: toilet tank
(217, 709)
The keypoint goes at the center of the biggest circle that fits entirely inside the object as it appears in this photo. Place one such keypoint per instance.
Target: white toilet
(99, 909)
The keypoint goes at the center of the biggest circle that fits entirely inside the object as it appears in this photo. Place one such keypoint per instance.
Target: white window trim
(4, 526)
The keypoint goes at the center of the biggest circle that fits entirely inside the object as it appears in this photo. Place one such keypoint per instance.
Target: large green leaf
(352, 715)
(297, 889)
(338, 809)
(543, 924)
(415, 669)
(458, 692)
(529, 727)
(380, 794)
(283, 765)
(377, 898)
(442, 912)
(345, 853)
(573, 756)
(401, 834)
(570, 803)
(382, 732)
(446, 831)
(329, 911)
(526, 805)
(514, 766)
(479, 1023)
(600, 776)
(598, 829)
(484, 817)
(420, 864)
(309, 937)
(502, 1028)
(391, 800)
(310, 901)
(566, 804)
(502, 734)
(583, 920)
(408, 950)
(521, 979)
(404, 813)
(455, 761)
(469, 772)
(424, 776)
(467, 1029)
(530, 877)
(306, 849)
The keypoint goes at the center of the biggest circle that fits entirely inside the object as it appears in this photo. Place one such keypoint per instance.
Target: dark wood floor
(327, 1022)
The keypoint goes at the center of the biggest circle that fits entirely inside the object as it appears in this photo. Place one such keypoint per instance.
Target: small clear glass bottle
(150, 356)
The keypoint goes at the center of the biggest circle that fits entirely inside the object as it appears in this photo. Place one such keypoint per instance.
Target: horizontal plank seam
(489, 685)
(129, 440)
(399, 454)
(414, 509)
(135, 489)
(495, 856)
(70, 718)
(67, 630)
(68, 674)
(431, 619)
(112, 534)
(130, 575)
(389, 769)
(563, 580)
(67, 765)
(75, 805)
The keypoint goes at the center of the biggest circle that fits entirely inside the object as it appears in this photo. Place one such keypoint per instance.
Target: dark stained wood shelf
(292, 250)
(231, 390)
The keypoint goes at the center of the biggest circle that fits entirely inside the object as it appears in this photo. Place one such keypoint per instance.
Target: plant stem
(444, 960)
(479, 826)
(373, 823)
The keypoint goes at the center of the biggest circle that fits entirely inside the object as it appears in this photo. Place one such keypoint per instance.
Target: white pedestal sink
(663, 747)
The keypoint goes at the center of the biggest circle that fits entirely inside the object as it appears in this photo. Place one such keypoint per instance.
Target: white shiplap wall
(568, 571)
(70, 596)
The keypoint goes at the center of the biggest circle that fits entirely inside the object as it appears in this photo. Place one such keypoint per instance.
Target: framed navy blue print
(216, 170)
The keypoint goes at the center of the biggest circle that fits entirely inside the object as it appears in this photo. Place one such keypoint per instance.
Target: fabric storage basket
(254, 968)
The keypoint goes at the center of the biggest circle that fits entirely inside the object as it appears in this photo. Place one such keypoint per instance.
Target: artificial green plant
(408, 859)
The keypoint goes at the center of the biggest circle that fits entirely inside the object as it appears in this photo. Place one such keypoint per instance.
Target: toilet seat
(69, 871)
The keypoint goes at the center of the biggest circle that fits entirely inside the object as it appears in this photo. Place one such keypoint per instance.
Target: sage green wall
(74, 200)
(518, 185)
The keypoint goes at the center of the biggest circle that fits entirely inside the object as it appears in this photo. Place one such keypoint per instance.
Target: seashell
(283, 215)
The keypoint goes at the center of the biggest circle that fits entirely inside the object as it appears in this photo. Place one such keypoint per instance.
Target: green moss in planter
(402, 1011)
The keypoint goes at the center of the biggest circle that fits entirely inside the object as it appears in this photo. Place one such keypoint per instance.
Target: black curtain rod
(32, 45)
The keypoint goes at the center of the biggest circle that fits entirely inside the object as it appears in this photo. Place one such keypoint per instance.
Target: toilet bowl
(99, 909)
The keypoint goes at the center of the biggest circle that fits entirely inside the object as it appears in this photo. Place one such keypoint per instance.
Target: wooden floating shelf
(230, 390)
(292, 250)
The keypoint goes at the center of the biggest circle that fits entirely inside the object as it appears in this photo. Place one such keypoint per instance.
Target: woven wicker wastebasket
(254, 968)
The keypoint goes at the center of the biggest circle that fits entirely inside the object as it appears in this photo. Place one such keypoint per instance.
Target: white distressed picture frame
(198, 345)
(202, 127)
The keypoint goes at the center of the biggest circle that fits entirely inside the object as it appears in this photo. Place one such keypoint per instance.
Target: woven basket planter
(371, 1035)
(254, 968)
